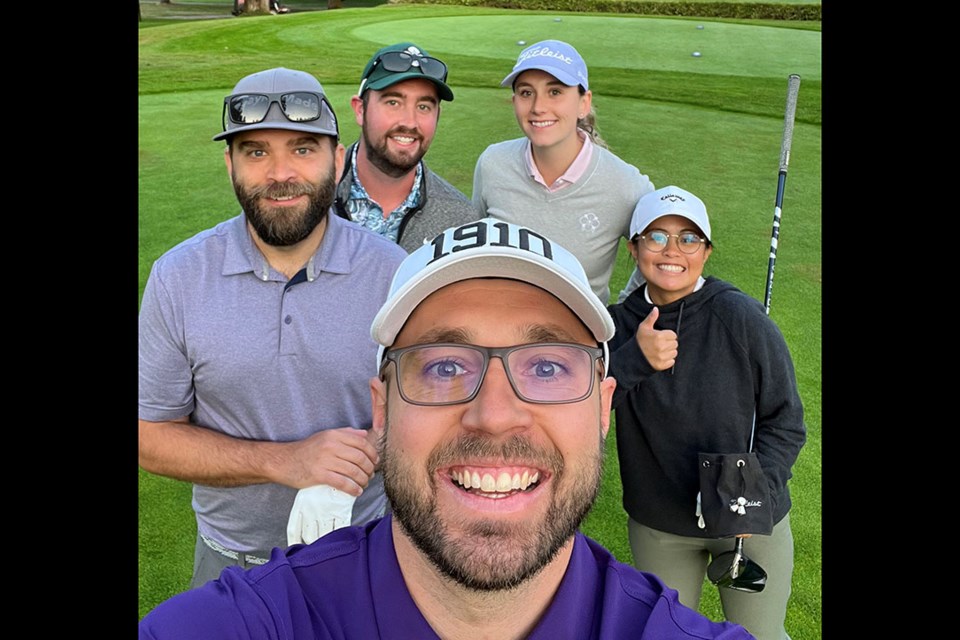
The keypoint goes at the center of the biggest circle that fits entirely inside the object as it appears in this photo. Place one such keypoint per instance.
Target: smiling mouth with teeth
(501, 485)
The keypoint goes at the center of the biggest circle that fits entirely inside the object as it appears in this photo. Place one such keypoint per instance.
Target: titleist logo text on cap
(545, 52)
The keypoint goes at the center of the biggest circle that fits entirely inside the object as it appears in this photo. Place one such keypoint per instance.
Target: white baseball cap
(669, 201)
(490, 248)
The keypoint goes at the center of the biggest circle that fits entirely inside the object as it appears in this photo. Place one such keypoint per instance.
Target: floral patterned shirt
(367, 212)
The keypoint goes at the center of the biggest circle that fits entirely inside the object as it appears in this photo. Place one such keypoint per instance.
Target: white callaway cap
(669, 201)
(490, 248)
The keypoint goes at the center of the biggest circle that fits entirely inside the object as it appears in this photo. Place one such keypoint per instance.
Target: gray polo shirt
(238, 348)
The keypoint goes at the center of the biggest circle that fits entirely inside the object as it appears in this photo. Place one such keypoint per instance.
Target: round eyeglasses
(541, 373)
(656, 241)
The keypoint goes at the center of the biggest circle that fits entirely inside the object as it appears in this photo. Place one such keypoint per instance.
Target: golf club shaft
(793, 87)
(737, 555)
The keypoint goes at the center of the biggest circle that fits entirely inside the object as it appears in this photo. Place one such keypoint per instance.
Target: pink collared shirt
(573, 173)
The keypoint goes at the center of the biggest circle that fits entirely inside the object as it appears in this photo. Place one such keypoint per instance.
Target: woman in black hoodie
(700, 367)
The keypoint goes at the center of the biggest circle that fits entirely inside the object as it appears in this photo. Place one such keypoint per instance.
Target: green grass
(711, 124)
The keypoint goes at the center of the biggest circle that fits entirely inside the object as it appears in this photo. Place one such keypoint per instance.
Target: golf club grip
(793, 88)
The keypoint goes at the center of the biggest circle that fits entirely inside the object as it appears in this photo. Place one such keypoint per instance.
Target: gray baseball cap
(278, 99)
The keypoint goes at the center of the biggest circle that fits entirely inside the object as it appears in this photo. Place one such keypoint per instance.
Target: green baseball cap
(404, 61)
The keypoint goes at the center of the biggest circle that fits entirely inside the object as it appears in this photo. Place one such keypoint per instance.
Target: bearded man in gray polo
(255, 351)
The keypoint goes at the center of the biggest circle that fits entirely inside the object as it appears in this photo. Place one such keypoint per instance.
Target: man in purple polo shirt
(492, 407)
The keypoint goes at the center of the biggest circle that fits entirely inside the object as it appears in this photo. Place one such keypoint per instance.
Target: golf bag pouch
(734, 496)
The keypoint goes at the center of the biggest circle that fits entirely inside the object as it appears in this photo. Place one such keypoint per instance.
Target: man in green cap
(385, 185)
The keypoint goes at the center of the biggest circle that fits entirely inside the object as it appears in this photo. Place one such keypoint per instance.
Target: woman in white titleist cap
(560, 178)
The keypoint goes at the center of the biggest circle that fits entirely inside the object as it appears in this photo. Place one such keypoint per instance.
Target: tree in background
(253, 7)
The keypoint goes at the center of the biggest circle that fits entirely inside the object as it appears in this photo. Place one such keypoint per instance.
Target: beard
(489, 555)
(286, 226)
(391, 163)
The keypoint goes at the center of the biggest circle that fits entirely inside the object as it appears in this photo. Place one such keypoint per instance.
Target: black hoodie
(732, 360)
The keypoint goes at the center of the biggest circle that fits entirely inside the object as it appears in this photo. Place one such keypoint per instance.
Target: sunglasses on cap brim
(296, 106)
(401, 61)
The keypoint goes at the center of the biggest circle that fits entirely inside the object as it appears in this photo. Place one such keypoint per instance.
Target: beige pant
(681, 562)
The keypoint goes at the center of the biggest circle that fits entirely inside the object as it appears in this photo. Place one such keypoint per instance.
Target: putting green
(621, 41)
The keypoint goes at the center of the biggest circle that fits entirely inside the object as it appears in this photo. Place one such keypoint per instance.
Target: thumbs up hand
(658, 347)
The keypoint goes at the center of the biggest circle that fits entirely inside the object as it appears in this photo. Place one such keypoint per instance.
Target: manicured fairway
(660, 44)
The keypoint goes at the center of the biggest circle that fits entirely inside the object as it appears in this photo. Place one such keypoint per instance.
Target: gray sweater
(587, 218)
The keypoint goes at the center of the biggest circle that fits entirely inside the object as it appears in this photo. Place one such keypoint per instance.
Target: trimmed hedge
(748, 10)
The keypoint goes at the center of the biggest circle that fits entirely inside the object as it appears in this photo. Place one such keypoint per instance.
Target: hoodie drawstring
(679, 318)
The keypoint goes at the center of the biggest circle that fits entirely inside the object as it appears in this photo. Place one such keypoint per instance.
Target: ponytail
(589, 124)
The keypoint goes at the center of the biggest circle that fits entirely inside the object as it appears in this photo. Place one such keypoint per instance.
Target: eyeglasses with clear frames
(541, 373)
(656, 241)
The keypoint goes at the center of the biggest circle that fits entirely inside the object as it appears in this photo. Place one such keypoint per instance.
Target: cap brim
(638, 225)
(565, 78)
(287, 126)
(443, 90)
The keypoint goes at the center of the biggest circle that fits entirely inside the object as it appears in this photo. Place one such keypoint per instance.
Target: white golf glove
(316, 511)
